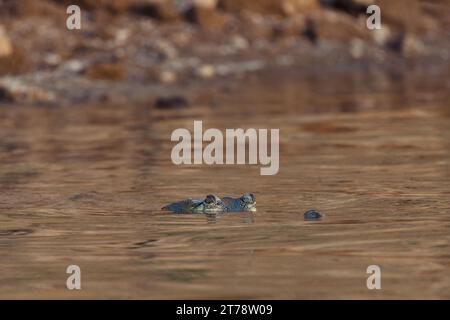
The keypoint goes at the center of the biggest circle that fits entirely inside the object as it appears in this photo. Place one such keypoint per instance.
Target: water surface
(84, 185)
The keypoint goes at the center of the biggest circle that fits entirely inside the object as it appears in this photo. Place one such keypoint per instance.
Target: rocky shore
(135, 51)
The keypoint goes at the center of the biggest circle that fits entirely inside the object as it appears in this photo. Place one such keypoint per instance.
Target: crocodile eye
(248, 198)
(210, 199)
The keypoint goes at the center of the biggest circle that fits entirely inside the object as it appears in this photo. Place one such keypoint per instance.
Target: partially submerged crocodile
(243, 204)
(213, 204)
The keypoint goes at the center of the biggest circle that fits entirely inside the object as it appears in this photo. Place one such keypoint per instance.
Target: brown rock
(106, 71)
(206, 3)
(113, 6)
(15, 63)
(291, 27)
(407, 15)
(14, 91)
(253, 26)
(335, 25)
(5, 44)
(207, 18)
(31, 8)
(400, 15)
(275, 7)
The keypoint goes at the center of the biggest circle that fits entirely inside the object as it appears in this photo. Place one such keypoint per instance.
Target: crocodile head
(248, 202)
(212, 204)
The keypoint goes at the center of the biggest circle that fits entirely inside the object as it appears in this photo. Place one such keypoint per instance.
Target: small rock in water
(171, 102)
(312, 215)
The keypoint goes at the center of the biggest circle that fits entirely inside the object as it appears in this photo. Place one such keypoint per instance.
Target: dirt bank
(132, 50)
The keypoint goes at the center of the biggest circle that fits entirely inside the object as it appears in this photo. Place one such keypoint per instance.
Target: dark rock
(310, 32)
(171, 102)
(162, 11)
(349, 6)
(6, 95)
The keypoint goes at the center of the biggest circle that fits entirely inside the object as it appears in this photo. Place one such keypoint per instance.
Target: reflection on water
(85, 186)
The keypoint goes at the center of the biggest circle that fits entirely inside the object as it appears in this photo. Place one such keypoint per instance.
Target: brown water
(84, 185)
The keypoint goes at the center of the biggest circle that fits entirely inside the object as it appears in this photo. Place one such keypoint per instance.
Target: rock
(312, 215)
(121, 37)
(15, 63)
(6, 95)
(113, 6)
(26, 8)
(206, 71)
(381, 36)
(74, 65)
(6, 48)
(293, 7)
(167, 76)
(106, 71)
(165, 49)
(12, 90)
(338, 26)
(412, 46)
(255, 27)
(271, 7)
(208, 19)
(171, 102)
(291, 27)
(395, 42)
(239, 42)
(416, 21)
(353, 7)
(52, 59)
(160, 10)
(206, 3)
(357, 48)
(389, 39)
(407, 44)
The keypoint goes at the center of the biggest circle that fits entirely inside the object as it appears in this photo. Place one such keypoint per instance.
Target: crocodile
(246, 203)
(211, 204)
